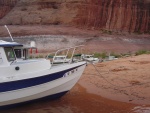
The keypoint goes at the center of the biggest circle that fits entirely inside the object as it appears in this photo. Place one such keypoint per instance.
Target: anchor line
(111, 82)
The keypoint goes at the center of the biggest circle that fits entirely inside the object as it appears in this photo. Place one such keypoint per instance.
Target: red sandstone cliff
(110, 15)
(119, 15)
(6, 6)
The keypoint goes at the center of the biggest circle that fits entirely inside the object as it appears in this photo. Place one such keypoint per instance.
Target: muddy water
(79, 101)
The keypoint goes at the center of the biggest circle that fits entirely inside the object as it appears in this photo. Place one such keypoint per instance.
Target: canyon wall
(106, 15)
(6, 6)
(115, 15)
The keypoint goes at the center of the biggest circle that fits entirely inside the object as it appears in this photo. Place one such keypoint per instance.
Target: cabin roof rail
(68, 49)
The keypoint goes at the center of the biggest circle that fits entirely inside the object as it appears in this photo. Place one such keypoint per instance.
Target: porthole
(72, 71)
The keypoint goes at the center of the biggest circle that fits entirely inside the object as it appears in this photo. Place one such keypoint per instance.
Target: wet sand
(126, 79)
(121, 86)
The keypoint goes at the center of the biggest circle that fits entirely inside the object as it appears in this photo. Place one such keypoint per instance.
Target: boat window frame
(1, 59)
(18, 52)
(11, 57)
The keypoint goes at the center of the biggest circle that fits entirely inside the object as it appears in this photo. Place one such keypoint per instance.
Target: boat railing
(67, 54)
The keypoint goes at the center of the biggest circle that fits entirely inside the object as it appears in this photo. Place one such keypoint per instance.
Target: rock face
(118, 15)
(40, 12)
(107, 15)
(6, 6)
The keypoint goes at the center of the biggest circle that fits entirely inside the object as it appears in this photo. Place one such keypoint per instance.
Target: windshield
(10, 53)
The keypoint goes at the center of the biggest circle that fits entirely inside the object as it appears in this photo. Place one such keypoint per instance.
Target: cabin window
(18, 53)
(10, 53)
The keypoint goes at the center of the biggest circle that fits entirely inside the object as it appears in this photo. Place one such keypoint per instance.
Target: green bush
(103, 55)
(115, 54)
(100, 55)
(97, 55)
(140, 52)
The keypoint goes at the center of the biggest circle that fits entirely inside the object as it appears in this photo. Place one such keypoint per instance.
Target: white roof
(9, 44)
(26, 47)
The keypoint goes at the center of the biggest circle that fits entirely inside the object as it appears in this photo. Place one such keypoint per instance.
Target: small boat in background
(89, 58)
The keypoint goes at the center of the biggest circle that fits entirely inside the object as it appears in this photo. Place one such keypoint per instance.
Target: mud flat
(49, 37)
(122, 86)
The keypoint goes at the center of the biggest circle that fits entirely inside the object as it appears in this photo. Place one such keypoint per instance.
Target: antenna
(9, 33)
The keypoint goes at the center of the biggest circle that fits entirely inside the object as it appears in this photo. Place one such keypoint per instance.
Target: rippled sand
(121, 86)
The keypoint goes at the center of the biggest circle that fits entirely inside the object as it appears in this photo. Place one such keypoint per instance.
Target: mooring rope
(111, 82)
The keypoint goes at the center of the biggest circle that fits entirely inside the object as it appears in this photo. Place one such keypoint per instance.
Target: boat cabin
(23, 52)
(7, 54)
(11, 65)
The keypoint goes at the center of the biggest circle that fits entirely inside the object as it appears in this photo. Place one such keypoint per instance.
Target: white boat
(27, 80)
(89, 58)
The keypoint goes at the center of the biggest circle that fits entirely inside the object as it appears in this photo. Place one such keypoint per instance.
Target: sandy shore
(125, 79)
(123, 86)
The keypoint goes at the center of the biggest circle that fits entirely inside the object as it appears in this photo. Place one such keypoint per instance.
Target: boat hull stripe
(20, 84)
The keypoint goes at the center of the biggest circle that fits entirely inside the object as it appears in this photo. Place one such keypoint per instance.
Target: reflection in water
(141, 109)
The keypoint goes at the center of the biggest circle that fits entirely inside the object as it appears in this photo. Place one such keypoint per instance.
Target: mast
(9, 33)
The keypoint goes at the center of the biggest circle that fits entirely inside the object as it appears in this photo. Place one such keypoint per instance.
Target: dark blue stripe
(10, 45)
(15, 85)
(47, 98)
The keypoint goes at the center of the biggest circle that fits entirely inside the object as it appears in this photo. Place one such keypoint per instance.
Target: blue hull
(51, 97)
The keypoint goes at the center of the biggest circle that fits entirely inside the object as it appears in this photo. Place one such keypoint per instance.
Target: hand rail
(68, 49)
